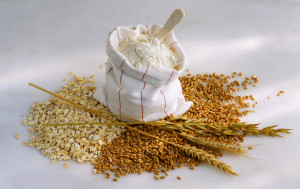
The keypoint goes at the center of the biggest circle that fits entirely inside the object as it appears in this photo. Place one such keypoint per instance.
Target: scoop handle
(176, 17)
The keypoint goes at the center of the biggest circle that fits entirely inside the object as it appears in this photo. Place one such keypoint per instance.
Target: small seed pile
(80, 143)
(214, 99)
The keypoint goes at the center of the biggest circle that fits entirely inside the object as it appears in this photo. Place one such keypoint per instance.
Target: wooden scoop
(176, 17)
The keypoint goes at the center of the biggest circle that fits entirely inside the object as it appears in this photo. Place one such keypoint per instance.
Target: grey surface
(41, 41)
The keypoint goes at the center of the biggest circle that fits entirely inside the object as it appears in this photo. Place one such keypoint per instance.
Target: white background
(41, 41)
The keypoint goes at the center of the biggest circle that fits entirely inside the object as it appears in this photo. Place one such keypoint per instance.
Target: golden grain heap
(135, 153)
(214, 99)
(84, 130)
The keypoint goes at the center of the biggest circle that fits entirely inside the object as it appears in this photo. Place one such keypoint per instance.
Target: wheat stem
(214, 144)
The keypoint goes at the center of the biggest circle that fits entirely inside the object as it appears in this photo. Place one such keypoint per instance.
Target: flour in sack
(144, 49)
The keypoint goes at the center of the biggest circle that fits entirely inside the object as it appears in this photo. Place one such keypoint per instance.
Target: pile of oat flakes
(80, 143)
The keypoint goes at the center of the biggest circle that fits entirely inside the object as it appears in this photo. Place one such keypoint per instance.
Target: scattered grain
(66, 165)
(234, 74)
(17, 136)
(254, 105)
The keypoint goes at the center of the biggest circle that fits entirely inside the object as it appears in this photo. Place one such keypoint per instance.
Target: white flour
(144, 49)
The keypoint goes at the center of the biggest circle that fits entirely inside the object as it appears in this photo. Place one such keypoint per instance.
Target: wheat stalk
(213, 144)
(185, 124)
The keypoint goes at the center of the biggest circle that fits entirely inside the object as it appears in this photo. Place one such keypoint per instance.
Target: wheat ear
(214, 144)
(206, 157)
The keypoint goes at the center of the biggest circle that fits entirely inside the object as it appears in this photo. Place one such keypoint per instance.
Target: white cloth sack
(145, 93)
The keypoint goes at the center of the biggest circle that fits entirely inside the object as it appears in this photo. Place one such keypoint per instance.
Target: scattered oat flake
(281, 91)
(115, 179)
(17, 136)
(101, 66)
(54, 161)
(250, 147)
(268, 97)
(178, 177)
(64, 79)
(66, 165)
(278, 94)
